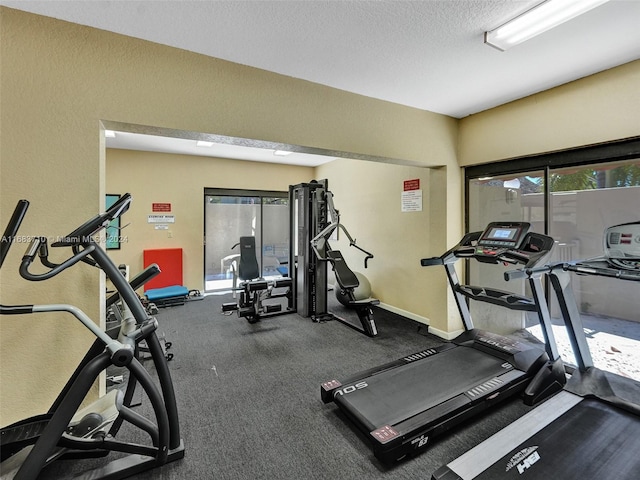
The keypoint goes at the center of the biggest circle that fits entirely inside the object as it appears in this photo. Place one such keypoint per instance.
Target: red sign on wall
(412, 184)
(161, 207)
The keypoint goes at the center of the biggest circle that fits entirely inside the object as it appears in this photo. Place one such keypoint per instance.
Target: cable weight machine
(313, 220)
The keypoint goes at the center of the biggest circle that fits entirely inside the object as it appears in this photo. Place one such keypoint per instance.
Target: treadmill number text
(352, 388)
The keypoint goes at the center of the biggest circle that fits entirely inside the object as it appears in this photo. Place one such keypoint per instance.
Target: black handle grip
(12, 228)
(429, 262)
(515, 274)
(32, 250)
(15, 309)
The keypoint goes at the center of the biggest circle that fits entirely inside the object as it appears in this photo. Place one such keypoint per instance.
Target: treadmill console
(622, 245)
(499, 242)
(504, 235)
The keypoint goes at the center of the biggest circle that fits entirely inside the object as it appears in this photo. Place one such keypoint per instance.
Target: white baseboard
(421, 319)
(405, 313)
(443, 334)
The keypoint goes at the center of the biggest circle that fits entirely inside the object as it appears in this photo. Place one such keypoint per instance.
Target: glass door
(275, 237)
(230, 215)
(515, 197)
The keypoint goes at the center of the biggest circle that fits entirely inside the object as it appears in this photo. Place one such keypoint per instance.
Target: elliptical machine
(64, 431)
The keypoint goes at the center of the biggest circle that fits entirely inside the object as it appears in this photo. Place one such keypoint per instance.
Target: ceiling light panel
(539, 19)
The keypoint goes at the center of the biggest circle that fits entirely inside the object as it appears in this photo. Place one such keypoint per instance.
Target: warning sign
(412, 184)
(160, 207)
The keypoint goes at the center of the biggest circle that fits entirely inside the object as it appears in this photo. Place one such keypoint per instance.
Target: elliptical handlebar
(121, 354)
(12, 228)
(36, 246)
(91, 227)
(81, 236)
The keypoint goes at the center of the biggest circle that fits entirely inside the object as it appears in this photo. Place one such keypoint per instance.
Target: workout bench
(254, 291)
(348, 282)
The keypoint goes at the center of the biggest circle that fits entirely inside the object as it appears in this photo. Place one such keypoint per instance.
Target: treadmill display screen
(501, 235)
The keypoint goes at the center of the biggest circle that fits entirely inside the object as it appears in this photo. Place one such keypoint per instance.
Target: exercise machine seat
(344, 275)
(248, 267)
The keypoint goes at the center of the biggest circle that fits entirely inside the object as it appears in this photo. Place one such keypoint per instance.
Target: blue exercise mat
(166, 292)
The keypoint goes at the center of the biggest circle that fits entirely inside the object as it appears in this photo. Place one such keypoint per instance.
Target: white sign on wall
(161, 219)
(412, 201)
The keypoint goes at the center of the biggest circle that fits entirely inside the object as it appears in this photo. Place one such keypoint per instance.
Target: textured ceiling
(426, 54)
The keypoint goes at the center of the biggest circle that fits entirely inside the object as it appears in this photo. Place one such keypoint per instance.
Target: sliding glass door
(572, 196)
(511, 197)
(231, 214)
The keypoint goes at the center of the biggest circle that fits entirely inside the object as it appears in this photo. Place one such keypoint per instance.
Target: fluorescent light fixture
(203, 143)
(282, 153)
(109, 134)
(539, 19)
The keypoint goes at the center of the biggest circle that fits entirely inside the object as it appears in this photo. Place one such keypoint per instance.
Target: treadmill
(592, 428)
(402, 405)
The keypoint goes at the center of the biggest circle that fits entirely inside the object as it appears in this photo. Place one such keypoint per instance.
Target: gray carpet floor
(249, 396)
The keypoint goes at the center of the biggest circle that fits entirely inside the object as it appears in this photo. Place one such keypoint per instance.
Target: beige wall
(595, 109)
(368, 196)
(59, 80)
(180, 180)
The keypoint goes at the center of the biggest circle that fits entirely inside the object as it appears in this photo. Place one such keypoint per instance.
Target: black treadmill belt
(400, 393)
(591, 440)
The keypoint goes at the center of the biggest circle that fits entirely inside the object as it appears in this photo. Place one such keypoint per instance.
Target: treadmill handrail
(502, 298)
(597, 267)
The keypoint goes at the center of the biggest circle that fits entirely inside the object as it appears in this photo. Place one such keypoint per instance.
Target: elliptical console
(622, 245)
